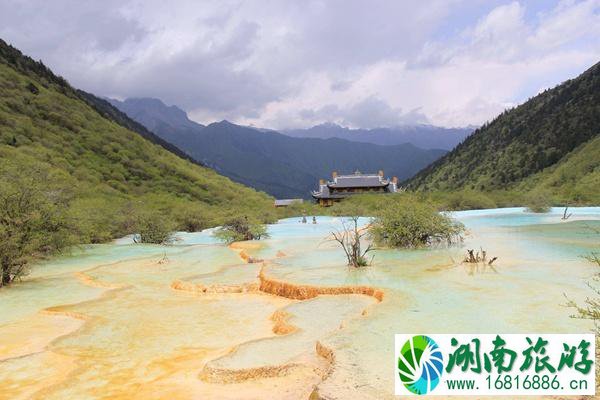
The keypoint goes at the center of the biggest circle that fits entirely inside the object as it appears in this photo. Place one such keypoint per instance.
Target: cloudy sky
(283, 64)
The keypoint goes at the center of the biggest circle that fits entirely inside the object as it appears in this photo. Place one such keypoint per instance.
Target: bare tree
(565, 215)
(349, 239)
(476, 258)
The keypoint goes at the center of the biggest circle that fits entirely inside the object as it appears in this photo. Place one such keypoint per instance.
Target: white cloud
(498, 62)
(569, 22)
(287, 63)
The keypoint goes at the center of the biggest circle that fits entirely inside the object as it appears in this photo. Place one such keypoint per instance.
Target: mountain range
(423, 136)
(267, 160)
(551, 143)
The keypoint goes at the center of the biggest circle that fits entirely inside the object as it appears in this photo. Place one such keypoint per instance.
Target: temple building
(342, 186)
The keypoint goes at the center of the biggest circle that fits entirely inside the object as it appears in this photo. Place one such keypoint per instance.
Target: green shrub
(192, 220)
(99, 219)
(365, 205)
(465, 200)
(538, 202)
(412, 223)
(240, 229)
(154, 229)
(33, 221)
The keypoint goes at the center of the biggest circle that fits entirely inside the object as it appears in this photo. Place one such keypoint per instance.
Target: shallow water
(190, 321)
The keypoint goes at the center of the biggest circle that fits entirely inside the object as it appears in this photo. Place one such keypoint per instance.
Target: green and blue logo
(420, 364)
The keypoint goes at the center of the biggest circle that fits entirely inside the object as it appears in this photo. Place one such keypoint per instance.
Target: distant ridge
(527, 145)
(424, 136)
(152, 113)
(107, 110)
(283, 166)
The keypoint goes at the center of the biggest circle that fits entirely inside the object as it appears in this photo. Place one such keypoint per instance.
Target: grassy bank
(372, 204)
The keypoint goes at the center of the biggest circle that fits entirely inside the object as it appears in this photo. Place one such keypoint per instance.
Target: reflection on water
(105, 322)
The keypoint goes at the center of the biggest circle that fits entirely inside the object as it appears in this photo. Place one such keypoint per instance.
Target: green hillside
(549, 142)
(576, 178)
(110, 176)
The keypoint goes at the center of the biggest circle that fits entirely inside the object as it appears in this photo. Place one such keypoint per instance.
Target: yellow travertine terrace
(196, 321)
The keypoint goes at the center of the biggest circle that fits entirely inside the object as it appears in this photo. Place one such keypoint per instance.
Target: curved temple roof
(353, 181)
(334, 189)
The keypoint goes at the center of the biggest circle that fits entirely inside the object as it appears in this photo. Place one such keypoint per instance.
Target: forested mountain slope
(533, 144)
(575, 179)
(111, 174)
